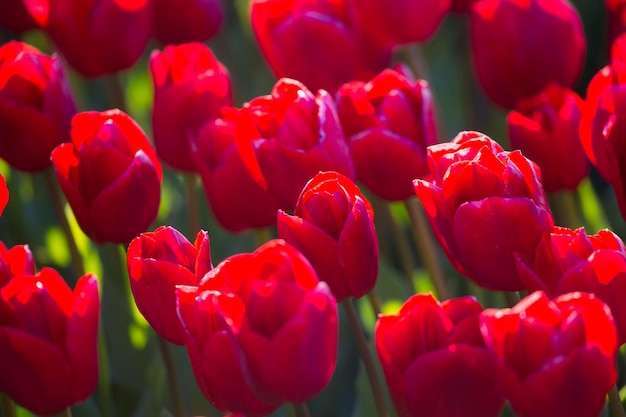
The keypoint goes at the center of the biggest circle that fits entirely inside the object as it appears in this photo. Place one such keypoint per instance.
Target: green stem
(401, 243)
(115, 91)
(414, 57)
(192, 204)
(511, 298)
(6, 405)
(564, 208)
(262, 235)
(58, 204)
(172, 377)
(301, 410)
(366, 356)
(616, 409)
(426, 246)
(375, 302)
(66, 413)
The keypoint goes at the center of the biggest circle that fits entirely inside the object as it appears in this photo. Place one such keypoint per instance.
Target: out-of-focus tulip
(616, 10)
(545, 129)
(559, 355)
(181, 21)
(486, 207)
(401, 21)
(388, 122)
(110, 175)
(159, 261)
(519, 47)
(237, 201)
(264, 320)
(14, 262)
(48, 341)
(435, 361)
(15, 17)
(289, 136)
(36, 106)
(316, 42)
(462, 6)
(96, 37)
(190, 88)
(333, 227)
(568, 261)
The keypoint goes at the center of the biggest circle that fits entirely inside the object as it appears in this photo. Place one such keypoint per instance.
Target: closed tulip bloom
(289, 136)
(110, 176)
(559, 355)
(549, 32)
(48, 341)
(300, 37)
(14, 262)
(36, 106)
(264, 320)
(388, 122)
(333, 227)
(181, 21)
(570, 260)
(545, 129)
(15, 17)
(96, 37)
(190, 88)
(435, 361)
(486, 207)
(236, 200)
(159, 261)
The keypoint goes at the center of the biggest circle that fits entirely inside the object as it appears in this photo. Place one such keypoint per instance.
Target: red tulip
(333, 227)
(316, 42)
(15, 17)
(264, 320)
(236, 200)
(289, 136)
(48, 341)
(568, 261)
(96, 37)
(616, 10)
(462, 6)
(181, 21)
(388, 122)
(435, 361)
(400, 22)
(4, 194)
(559, 355)
(486, 207)
(36, 106)
(159, 261)
(110, 176)
(190, 88)
(15, 262)
(545, 129)
(546, 37)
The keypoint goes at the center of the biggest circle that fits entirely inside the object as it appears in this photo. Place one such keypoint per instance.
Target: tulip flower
(181, 21)
(159, 261)
(559, 355)
(237, 201)
(402, 21)
(15, 17)
(110, 175)
(36, 106)
(16, 261)
(486, 207)
(547, 39)
(616, 10)
(462, 6)
(289, 136)
(48, 341)
(333, 227)
(264, 320)
(570, 260)
(545, 129)
(96, 37)
(190, 88)
(338, 50)
(388, 122)
(435, 361)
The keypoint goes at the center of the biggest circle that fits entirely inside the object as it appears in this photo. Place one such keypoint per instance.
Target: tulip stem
(563, 204)
(301, 410)
(511, 298)
(401, 243)
(117, 97)
(66, 413)
(262, 235)
(172, 377)
(192, 204)
(8, 407)
(426, 246)
(616, 409)
(414, 57)
(58, 205)
(374, 300)
(366, 356)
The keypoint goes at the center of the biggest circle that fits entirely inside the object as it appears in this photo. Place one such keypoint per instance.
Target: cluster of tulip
(261, 329)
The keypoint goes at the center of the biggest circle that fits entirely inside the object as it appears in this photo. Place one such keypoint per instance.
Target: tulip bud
(181, 21)
(15, 17)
